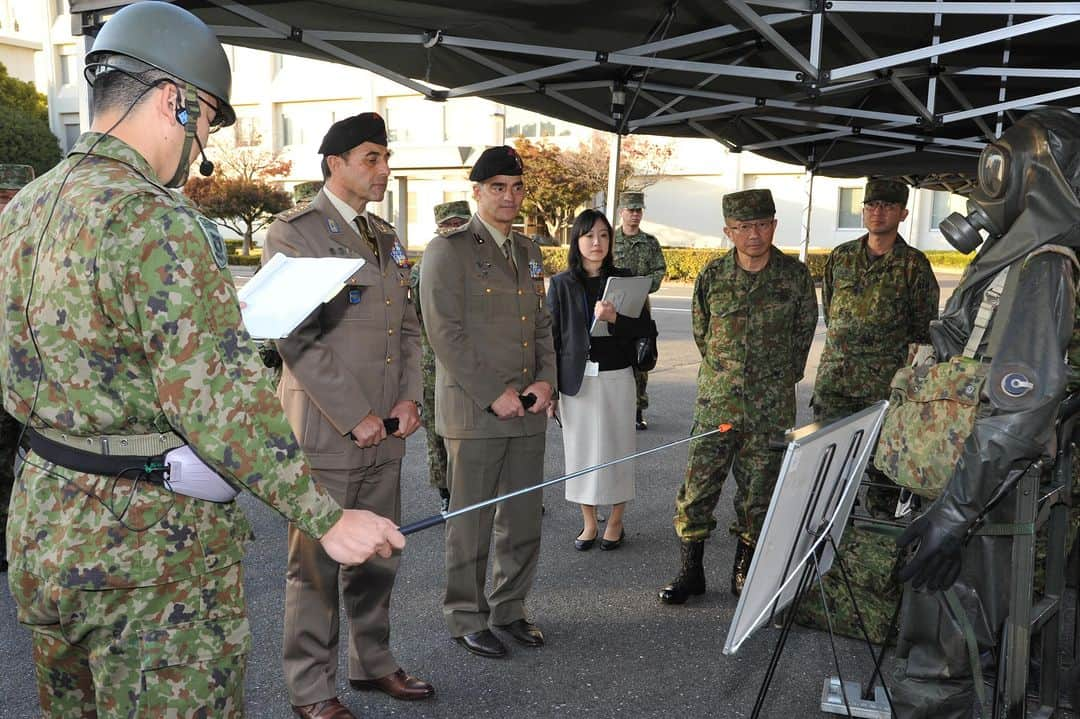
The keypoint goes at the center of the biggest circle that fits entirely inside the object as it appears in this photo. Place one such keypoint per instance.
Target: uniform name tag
(592, 369)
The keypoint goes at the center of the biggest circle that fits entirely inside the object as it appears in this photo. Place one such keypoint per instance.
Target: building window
(531, 125)
(247, 132)
(70, 122)
(849, 208)
(67, 69)
(413, 203)
(944, 204)
(414, 120)
(301, 123)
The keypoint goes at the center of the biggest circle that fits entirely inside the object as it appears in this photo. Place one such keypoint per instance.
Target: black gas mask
(1030, 173)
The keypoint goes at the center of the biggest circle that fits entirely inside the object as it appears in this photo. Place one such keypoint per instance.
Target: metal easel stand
(1042, 618)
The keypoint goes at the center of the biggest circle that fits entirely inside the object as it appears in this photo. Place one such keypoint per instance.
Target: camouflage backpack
(933, 407)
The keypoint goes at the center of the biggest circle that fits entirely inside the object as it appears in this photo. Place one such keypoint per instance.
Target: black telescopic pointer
(437, 519)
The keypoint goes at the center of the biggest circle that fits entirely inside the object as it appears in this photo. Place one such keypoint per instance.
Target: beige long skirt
(598, 426)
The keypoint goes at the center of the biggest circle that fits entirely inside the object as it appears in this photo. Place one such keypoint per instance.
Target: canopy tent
(907, 89)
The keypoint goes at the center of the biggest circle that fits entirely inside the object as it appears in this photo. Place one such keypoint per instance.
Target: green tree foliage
(25, 137)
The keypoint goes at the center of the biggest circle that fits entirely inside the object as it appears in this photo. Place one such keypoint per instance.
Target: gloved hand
(936, 562)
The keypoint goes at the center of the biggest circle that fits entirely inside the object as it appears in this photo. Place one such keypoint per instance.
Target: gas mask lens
(993, 165)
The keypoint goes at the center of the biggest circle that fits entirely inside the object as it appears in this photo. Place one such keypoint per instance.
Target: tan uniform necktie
(508, 254)
(367, 234)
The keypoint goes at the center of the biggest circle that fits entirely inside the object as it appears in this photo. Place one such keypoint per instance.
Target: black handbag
(645, 354)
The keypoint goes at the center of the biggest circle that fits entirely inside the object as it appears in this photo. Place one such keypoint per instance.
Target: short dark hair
(326, 165)
(123, 90)
(583, 224)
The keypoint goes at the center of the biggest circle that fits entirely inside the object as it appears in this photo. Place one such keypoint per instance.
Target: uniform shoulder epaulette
(295, 212)
(380, 224)
(445, 231)
(456, 231)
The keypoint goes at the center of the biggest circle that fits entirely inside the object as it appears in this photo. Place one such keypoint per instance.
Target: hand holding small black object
(527, 400)
(936, 561)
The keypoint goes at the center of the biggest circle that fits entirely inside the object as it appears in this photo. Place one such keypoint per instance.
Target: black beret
(346, 134)
(502, 160)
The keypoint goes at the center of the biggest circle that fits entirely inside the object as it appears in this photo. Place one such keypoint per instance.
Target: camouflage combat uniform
(12, 179)
(436, 448)
(641, 254)
(134, 594)
(754, 331)
(874, 308)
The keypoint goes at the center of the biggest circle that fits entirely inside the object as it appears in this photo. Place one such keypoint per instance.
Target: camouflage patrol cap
(886, 191)
(748, 205)
(15, 177)
(632, 201)
(448, 210)
(306, 191)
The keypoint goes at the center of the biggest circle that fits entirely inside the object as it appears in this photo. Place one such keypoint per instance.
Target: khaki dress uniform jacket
(358, 354)
(488, 324)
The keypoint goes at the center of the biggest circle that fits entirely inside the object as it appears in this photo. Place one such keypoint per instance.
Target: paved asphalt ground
(612, 648)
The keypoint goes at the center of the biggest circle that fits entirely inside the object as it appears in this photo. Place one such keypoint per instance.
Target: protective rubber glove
(936, 561)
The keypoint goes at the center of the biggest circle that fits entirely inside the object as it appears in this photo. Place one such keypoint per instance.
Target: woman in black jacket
(596, 382)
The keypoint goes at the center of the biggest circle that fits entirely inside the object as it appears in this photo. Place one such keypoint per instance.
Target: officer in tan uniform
(351, 364)
(482, 295)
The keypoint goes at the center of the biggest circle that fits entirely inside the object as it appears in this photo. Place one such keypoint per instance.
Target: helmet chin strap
(189, 115)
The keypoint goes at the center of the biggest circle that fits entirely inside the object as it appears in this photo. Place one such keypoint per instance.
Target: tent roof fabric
(904, 89)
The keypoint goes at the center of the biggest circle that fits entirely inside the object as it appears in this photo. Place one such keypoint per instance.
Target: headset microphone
(206, 168)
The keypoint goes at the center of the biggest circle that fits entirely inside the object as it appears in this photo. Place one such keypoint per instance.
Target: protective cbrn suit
(1027, 203)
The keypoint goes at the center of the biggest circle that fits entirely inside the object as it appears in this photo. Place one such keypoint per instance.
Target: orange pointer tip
(725, 427)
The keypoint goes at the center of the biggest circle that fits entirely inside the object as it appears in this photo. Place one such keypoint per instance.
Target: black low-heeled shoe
(609, 544)
(584, 545)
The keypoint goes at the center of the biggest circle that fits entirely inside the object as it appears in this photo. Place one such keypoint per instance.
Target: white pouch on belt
(189, 475)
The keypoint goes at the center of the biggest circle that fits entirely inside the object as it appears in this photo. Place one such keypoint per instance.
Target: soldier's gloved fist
(936, 560)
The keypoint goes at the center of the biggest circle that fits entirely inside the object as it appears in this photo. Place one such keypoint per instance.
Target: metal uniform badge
(355, 293)
(213, 239)
(536, 270)
(397, 253)
(332, 225)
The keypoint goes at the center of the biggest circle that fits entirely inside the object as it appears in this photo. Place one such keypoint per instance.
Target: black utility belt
(151, 469)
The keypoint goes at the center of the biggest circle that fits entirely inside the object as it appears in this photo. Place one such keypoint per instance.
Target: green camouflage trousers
(755, 468)
(869, 552)
(641, 381)
(172, 650)
(9, 438)
(436, 448)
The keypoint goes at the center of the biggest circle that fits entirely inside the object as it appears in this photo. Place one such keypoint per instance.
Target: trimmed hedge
(683, 264)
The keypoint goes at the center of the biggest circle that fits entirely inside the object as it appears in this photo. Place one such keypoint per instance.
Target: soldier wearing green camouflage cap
(120, 341)
(640, 253)
(12, 179)
(754, 315)
(304, 192)
(448, 217)
(879, 295)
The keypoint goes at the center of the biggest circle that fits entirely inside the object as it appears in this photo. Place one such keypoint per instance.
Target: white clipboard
(288, 289)
(628, 295)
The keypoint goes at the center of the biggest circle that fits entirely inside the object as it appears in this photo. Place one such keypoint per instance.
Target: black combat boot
(743, 554)
(444, 499)
(691, 579)
(640, 422)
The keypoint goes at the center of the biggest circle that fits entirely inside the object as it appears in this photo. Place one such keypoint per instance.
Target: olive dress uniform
(358, 354)
(487, 322)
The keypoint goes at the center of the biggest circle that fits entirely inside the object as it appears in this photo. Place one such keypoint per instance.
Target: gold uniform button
(388, 302)
(389, 332)
(524, 370)
(520, 293)
(523, 318)
(487, 290)
(524, 344)
(387, 360)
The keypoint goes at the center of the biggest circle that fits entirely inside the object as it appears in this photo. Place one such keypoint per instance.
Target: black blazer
(566, 302)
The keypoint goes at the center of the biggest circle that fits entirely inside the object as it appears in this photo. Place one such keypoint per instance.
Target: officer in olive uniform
(12, 179)
(754, 315)
(640, 253)
(448, 217)
(121, 340)
(482, 294)
(879, 295)
(348, 366)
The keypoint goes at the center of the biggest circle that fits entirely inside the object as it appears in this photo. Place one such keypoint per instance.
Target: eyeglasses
(219, 119)
(746, 227)
(881, 205)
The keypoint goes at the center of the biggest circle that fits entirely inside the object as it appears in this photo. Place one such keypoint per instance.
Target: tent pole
(808, 216)
(614, 155)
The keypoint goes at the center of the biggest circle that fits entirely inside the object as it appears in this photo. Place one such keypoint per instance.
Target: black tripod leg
(832, 635)
(774, 660)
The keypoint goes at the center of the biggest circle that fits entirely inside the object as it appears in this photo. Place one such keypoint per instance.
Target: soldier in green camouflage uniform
(640, 253)
(12, 179)
(448, 217)
(134, 593)
(754, 315)
(879, 295)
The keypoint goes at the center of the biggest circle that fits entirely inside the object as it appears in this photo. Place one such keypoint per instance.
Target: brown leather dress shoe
(524, 632)
(398, 685)
(326, 709)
